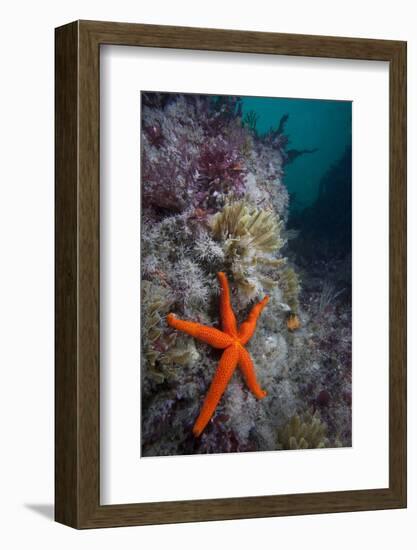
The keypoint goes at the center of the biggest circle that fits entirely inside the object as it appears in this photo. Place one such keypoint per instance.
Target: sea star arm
(227, 365)
(248, 370)
(247, 328)
(226, 312)
(209, 335)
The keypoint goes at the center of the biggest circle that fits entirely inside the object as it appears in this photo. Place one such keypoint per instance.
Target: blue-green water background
(312, 123)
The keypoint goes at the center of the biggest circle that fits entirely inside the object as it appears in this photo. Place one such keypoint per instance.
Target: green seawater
(312, 123)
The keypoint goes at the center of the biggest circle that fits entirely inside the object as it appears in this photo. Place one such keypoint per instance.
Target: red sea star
(232, 341)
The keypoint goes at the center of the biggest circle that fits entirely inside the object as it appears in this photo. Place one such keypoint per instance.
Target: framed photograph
(230, 274)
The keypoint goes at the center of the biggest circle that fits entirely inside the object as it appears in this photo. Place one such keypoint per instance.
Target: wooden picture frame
(77, 382)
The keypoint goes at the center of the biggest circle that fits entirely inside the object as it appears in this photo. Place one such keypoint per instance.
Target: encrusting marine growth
(232, 340)
(214, 199)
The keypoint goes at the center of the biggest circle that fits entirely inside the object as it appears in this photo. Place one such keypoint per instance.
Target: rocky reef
(213, 199)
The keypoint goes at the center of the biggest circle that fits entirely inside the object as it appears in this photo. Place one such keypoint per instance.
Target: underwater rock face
(213, 199)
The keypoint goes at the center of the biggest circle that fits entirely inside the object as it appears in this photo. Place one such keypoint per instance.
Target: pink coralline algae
(196, 156)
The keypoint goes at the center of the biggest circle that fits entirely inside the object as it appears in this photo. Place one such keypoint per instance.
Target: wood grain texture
(78, 285)
(66, 237)
(398, 273)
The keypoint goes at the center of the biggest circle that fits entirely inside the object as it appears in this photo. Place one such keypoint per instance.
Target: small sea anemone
(250, 236)
(208, 251)
(305, 431)
(162, 350)
(293, 322)
(156, 301)
(289, 283)
(251, 229)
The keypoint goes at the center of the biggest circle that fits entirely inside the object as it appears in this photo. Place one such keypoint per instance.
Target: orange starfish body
(232, 340)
